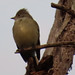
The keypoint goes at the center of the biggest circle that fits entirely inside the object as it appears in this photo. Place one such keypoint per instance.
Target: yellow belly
(25, 35)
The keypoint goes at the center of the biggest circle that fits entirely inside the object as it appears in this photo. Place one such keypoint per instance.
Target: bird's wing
(38, 43)
(38, 51)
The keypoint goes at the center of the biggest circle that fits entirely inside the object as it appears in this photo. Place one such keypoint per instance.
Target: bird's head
(21, 14)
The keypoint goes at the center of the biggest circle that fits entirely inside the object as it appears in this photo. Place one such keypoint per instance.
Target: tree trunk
(63, 30)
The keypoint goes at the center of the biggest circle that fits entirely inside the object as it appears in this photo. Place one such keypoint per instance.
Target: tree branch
(59, 44)
(63, 8)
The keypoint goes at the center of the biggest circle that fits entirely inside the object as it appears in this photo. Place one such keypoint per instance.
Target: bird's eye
(18, 14)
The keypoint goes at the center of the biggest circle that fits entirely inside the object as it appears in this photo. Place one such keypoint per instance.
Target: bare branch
(59, 44)
(63, 8)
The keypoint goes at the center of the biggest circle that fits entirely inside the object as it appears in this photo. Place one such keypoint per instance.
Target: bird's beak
(13, 18)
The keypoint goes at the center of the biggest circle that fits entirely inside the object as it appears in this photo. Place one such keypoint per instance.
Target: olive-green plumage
(26, 33)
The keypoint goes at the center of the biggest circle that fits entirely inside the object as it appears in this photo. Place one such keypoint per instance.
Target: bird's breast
(25, 35)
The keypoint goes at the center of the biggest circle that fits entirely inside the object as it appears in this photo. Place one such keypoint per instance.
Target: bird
(26, 34)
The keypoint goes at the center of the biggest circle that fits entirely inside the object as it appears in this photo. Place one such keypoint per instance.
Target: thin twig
(58, 44)
(63, 8)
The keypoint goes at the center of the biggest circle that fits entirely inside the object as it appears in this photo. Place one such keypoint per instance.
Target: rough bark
(63, 30)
